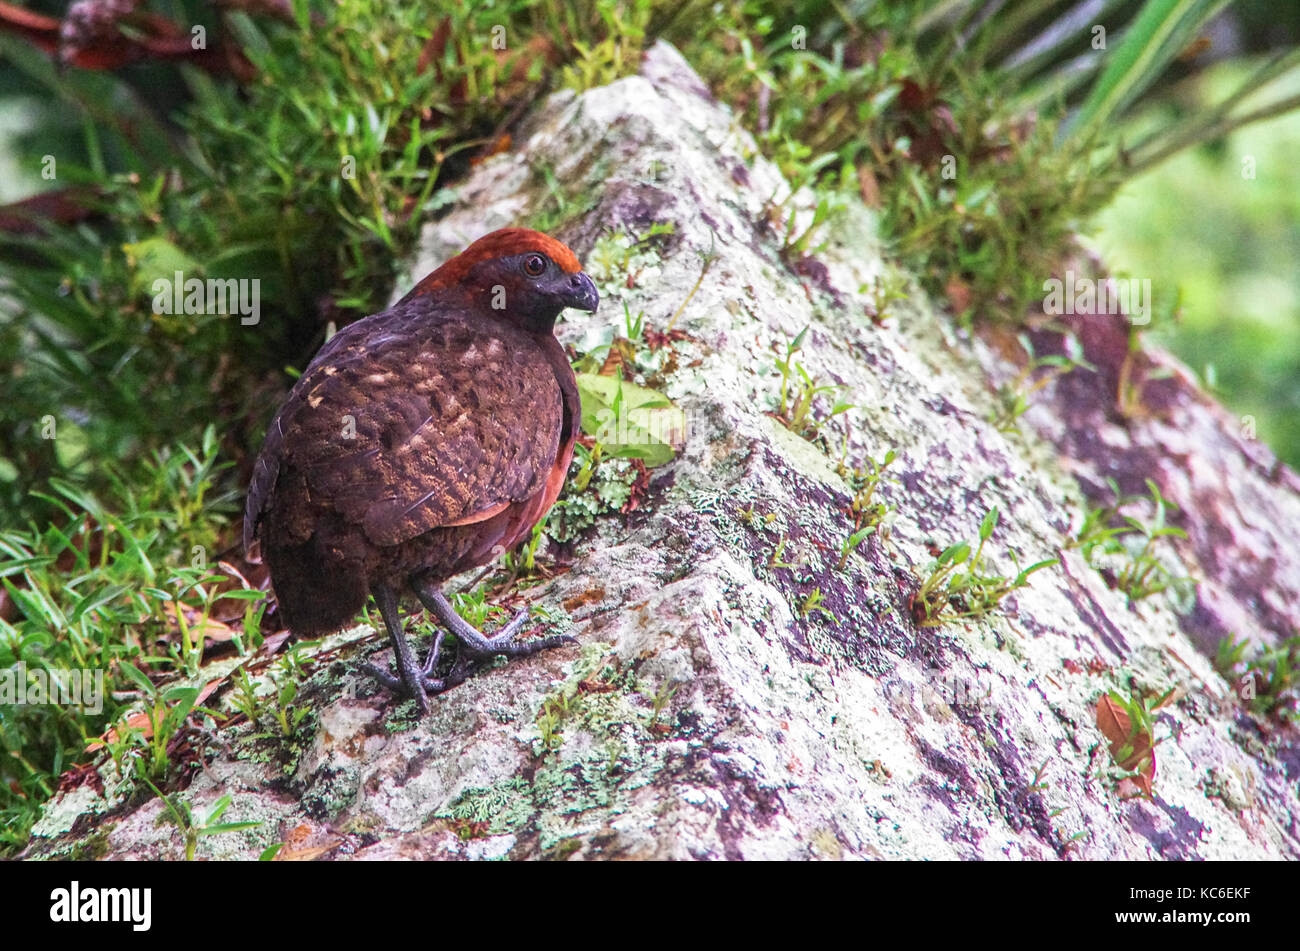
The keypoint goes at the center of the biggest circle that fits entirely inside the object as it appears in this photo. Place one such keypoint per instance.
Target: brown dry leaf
(498, 145)
(274, 642)
(958, 293)
(1116, 726)
(303, 844)
(141, 721)
(868, 187)
(211, 629)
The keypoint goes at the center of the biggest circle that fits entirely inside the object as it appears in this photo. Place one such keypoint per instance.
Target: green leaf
(227, 827)
(158, 259)
(183, 699)
(954, 554)
(221, 806)
(1160, 31)
(138, 676)
(630, 421)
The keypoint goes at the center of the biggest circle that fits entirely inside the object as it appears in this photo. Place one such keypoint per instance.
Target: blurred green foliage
(1230, 243)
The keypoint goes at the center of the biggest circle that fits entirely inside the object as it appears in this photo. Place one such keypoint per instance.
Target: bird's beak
(580, 293)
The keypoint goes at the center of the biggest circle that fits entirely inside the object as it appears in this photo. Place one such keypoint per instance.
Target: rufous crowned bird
(421, 442)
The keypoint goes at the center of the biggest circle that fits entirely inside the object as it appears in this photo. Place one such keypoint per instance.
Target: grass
(1126, 546)
(960, 587)
(100, 588)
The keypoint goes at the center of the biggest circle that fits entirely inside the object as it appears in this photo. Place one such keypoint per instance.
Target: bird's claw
(416, 680)
(503, 642)
(420, 683)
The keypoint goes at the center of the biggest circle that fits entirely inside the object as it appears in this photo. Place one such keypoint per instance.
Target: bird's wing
(402, 429)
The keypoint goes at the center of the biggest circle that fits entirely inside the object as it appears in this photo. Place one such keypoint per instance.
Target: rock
(738, 694)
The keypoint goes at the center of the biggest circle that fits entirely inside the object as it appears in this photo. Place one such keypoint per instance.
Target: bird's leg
(412, 680)
(474, 641)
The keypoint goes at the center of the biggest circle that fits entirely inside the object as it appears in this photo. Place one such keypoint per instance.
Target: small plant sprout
(753, 519)
(850, 544)
(1128, 391)
(473, 605)
(165, 711)
(867, 512)
(706, 261)
(589, 459)
(245, 698)
(660, 700)
(1129, 725)
(1097, 530)
(1145, 574)
(1141, 572)
(523, 560)
(812, 603)
(958, 588)
(191, 831)
(1269, 684)
(550, 718)
(633, 327)
(1013, 397)
(803, 171)
(1074, 840)
(889, 286)
(287, 716)
(798, 393)
(778, 553)
(1038, 785)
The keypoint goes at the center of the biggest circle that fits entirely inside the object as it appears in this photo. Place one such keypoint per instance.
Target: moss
(563, 849)
(92, 848)
(607, 749)
(505, 806)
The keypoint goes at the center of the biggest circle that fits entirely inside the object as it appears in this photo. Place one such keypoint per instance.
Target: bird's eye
(534, 265)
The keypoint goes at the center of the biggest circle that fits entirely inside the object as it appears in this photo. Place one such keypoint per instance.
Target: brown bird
(421, 442)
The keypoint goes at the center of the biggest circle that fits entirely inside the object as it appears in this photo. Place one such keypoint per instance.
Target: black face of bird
(531, 289)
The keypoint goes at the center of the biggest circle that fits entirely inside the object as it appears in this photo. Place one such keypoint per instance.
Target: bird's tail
(317, 592)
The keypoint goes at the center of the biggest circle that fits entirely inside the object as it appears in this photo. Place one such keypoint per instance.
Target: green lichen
(609, 745)
(504, 806)
(608, 490)
(94, 847)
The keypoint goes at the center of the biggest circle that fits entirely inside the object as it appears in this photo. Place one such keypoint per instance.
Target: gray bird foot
(412, 679)
(419, 682)
(416, 680)
(474, 641)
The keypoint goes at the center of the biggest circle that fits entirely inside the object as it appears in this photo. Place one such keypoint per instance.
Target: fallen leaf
(142, 721)
(1116, 725)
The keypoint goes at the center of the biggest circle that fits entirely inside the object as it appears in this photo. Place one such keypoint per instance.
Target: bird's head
(526, 276)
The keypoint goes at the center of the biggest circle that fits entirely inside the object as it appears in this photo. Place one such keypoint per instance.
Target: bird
(421, 442)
